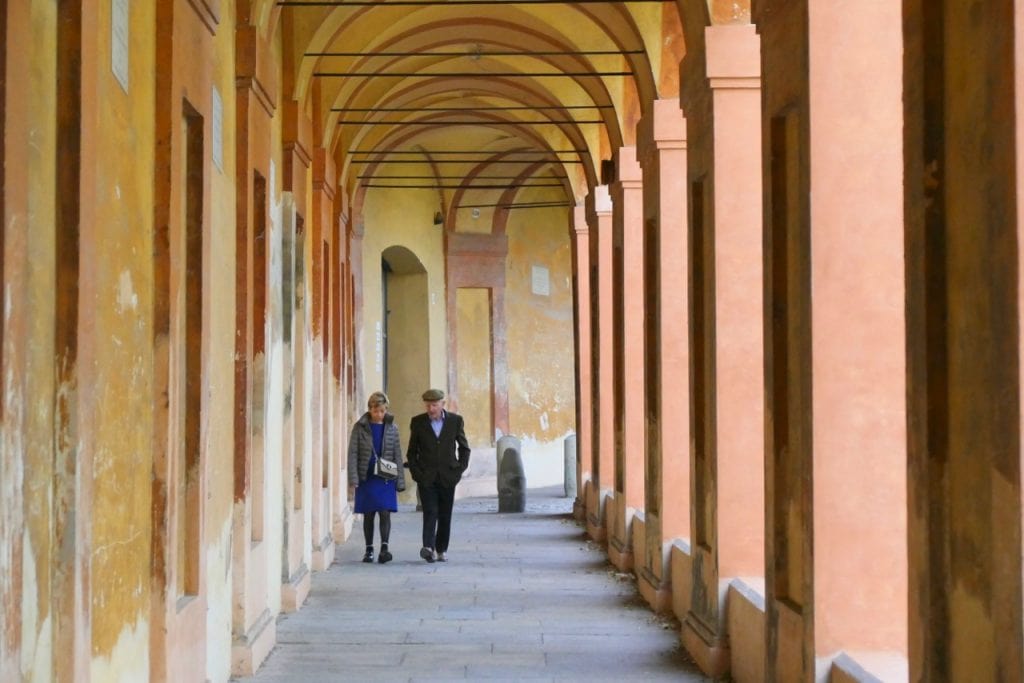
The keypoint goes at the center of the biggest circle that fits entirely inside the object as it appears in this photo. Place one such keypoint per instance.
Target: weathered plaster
(37, 629)
(128, 661)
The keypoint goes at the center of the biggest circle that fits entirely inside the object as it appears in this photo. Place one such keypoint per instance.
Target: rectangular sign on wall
(540, 284)
(119, 41)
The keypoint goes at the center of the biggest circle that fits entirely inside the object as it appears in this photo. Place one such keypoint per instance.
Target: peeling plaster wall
(405, 218)
(28, 382)
(541, 367)
(115, 333)
(274, 402)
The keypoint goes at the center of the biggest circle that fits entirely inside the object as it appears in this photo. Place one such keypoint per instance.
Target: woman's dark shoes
(385, 555)
(368, 555)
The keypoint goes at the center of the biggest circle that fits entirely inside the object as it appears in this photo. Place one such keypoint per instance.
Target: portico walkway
(523, 597)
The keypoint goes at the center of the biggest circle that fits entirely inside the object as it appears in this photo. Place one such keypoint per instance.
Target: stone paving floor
(524, 597)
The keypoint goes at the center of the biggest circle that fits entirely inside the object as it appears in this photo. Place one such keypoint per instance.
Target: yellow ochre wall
(116, 338)
(541, 368)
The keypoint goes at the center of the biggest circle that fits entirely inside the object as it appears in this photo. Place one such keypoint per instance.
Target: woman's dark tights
(385, 527)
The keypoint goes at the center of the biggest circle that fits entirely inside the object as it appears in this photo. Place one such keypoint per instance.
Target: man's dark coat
(437, 458)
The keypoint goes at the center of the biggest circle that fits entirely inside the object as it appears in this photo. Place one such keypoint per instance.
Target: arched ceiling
(484, 101)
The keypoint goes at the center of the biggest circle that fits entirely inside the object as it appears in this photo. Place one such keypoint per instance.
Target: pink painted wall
(857, 277)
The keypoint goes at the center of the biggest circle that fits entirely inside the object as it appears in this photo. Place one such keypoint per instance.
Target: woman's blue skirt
(376, 494)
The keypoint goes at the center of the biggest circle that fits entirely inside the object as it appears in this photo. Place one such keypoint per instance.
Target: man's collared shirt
(437, 424)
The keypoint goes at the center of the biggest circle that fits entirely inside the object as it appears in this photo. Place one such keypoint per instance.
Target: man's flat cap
(433, 395)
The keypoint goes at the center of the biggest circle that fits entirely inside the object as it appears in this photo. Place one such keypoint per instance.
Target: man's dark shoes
(368, 556)
(385, 555)
(427, 554)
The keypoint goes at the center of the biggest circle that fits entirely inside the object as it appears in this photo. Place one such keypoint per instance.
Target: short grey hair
(377, 398)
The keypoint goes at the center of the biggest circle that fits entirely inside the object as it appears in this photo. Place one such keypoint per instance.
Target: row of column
(713, 290)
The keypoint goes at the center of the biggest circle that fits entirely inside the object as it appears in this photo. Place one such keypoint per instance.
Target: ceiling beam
(481, 122)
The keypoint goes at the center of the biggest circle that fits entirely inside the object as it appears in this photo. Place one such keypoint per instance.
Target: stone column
(599, 216)
(628, 354)
(729, 465)
(962, 208)
(584, 349)
(667, 399)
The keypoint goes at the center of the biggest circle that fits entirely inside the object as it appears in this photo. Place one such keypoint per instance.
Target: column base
(596, 528)
(296, 589)
(709, 651)
(657, 592)
(248, 653)
(323, 555)
(343, 525)
(579, 510)
(620, 553)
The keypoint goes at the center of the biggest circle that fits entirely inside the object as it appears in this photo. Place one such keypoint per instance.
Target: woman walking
(375, 435)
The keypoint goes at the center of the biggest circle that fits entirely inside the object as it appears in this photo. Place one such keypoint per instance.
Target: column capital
(733, 53)
(323, 172)
(599, 204)
(664, 128)
(628, 173)
(579, 220)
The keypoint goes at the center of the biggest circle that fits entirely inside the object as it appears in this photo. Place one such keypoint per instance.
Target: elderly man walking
(438, 454)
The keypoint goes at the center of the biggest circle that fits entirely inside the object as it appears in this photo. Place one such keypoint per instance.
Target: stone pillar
(628, 354)
(666, 342)
(729, 461)
(835, 322)
(570, 458)
(962, 210)
(599, 216)
(253, 625)
(584, 351)
(322, 534)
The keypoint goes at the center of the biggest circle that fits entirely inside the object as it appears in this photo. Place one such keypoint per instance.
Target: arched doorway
(406, 340)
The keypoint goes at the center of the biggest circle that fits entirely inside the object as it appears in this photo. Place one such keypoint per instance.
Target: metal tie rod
(384, 152)
(466, 161)
(481, 122)
(435, 3)
(451, 110)
(483, 53)
(467, 74)
(505, 186)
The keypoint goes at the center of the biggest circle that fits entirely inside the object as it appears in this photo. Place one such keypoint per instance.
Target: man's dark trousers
(438, 501)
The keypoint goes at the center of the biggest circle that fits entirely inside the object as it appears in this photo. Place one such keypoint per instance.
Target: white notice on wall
(218, 129)
(539, 282)
(119, 41)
